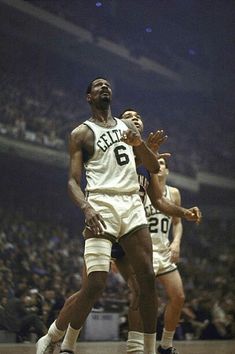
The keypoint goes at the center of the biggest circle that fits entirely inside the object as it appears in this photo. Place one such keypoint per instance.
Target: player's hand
(131, 137)
(154, 141)
(94, 221)
(193, 214)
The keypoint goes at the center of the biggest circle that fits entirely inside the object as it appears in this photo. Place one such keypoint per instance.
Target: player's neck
(104, 119)
(162, 182)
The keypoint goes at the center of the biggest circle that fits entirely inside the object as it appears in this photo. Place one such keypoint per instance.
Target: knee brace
(97, 255)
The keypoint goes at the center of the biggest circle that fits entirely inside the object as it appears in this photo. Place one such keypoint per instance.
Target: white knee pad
(97, 255)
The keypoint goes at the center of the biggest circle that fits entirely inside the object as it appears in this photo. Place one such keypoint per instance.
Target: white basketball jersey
(159, 224)
(112, 167)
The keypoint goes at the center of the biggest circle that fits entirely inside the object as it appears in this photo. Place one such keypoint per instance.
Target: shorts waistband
(112, 193)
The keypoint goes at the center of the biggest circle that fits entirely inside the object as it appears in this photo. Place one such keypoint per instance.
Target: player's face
(101, 92)
(135, 118)
(163, 169)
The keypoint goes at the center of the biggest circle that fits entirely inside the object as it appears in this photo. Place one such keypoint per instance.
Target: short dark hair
(89, 87)
(128, 109)
(166, 161)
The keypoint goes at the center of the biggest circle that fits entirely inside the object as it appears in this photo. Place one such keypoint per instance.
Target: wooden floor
(184, 347)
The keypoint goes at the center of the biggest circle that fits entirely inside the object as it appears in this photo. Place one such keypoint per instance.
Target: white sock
(70, 338)
(167, 339)
(149, 343)
(135, 342)
(55, 333)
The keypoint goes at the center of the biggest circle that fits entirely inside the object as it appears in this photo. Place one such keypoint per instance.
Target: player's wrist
(185, 213)
(139, 143)
(85, 205)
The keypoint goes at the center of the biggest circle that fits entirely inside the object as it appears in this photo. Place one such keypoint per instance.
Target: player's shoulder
(82, 130)
(174, 191)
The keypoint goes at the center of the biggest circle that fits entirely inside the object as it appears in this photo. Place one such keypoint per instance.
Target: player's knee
(146, 280)
(178, 299)
(96, 285)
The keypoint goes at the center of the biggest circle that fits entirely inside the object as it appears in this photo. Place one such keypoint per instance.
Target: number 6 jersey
(159, 224)
(111, 169)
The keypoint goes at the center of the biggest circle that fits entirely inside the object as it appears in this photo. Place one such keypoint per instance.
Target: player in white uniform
(146, 183)
(113, 211)
(165, 255)
(135, 339)
(159, 227)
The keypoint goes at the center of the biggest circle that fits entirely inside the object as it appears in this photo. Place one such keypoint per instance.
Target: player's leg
(138, 248)
(172, 283)
(135, 340)
(79, 305)
(71, 335)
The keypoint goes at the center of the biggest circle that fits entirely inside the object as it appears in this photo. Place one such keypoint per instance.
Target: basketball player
(105, 147)
(165, 256)
(150, 185)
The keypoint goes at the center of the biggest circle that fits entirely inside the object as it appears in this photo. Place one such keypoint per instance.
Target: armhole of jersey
(94, 136)
(169, 193)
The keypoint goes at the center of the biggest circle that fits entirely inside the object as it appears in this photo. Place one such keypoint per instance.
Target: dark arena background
(171, 60)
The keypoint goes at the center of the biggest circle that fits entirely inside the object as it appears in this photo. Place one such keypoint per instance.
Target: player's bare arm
(166, 206)
(142, 152)
(81, 140)
(177, 227)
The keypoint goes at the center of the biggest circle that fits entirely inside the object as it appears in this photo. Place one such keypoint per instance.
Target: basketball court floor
(184, 347)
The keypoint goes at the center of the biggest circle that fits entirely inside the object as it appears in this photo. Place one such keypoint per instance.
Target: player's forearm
(177, 232)
(76, 194)
(167, 207)
(148, 158)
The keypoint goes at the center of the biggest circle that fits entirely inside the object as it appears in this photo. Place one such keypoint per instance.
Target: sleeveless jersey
(159, 224)
(112, 167)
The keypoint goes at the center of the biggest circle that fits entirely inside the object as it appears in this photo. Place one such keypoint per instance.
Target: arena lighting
(98, 4)
(148, 29)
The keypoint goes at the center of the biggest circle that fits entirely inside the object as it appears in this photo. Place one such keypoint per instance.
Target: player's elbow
(70, 186)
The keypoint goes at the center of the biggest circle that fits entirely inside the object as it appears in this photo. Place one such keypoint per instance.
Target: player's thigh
(172, 283)
(124, 267)
(138, 249)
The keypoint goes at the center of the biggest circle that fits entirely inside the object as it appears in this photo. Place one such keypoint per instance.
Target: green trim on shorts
(139, 227)
(169, 271)
(105, 236)
(110, 237)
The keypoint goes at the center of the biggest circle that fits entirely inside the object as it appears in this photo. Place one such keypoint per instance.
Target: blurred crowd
(41, 264)
(43, 106)
(42, 98)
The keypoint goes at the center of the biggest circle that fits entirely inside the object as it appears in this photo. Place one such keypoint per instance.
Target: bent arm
(168, 207)
(148, 158)
(160, 202)
(142, 152)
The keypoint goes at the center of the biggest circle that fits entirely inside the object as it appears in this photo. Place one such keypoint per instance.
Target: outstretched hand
(154, 141)
(193, 214)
